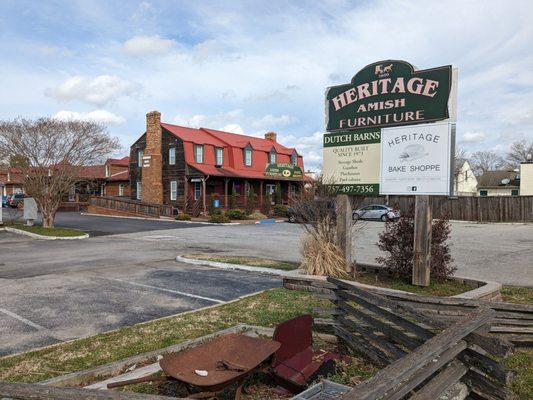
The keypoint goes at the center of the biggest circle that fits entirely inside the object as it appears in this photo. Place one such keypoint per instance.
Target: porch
(200, 191)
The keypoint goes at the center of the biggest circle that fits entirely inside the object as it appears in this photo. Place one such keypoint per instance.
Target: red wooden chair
(295, 362)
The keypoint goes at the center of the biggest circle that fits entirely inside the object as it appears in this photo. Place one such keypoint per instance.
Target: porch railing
(132, 206)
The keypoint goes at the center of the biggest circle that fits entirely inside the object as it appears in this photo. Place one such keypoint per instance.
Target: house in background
(465, 182)
(499, 183)
(117, 177)
(526, 179)
(186, 167)
(11, 180)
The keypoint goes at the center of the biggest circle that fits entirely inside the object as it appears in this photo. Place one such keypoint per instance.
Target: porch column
(185, 194)
(204, 194)
(260, 195)
(226, 193)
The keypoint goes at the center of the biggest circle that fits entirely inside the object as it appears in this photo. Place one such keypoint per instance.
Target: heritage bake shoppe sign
(391, 131)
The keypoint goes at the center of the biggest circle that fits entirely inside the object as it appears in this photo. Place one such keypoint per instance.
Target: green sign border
(361, 190)
(349, 138)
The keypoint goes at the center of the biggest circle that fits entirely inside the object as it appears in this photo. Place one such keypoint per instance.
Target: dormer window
(140, 154)
(294, 158)
(272, 156)
(248, 156)
(219, 156)
(199, 153)
(107, 171)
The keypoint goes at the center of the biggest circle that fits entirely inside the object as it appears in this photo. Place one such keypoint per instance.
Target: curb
(159, 219)
(36, 236)
(249, 268)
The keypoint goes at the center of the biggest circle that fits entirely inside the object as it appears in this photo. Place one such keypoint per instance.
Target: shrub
(267, 204)
(219, 219)
(233, 198)
(322, 257)
(257, 215)
(236, 214)
(277, 194)
(182, 217)
(211, 209)
(250, 201)
(280, 210)
(397, 240)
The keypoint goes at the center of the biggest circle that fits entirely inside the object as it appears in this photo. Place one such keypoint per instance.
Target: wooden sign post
(344, 228)
(422, 241)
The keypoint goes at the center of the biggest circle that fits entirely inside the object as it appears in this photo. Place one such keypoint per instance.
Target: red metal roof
(123, 162)
(197, 136)
(241, 141)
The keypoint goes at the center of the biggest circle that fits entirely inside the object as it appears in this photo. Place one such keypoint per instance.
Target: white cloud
(473, 137)
(99, 90)
(147, 45)
(101, 116)
(234, 128)
(270, 121)
(53, 51)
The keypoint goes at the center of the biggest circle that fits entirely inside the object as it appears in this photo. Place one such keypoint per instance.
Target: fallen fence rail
(132, 206)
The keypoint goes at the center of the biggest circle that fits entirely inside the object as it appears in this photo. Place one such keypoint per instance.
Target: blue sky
(254, 66)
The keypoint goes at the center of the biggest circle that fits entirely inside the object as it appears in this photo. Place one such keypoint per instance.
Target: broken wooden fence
(415, 350)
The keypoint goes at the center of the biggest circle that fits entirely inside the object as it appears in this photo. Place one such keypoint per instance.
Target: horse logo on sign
(382, 71)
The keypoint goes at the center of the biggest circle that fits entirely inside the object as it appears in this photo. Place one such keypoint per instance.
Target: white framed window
(172, 156)
(248, 157)
(173, 190)
(140, 154)
(121, 189)
(272, 156)
(102, 190)
(219, 156)
(139, 189)
(197, 190)
(107, 171)
(199, 153)
(294, 158)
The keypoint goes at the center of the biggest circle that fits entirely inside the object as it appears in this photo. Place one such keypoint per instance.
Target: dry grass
(322, 257)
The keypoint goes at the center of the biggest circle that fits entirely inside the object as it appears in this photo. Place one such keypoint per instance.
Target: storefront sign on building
(284, 171)
(390, 93)
(417, 159)
(351, 161)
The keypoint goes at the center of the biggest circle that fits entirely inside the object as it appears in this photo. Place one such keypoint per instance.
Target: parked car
(5, 200)
(16, 200)
(376, 211)
(308, 212)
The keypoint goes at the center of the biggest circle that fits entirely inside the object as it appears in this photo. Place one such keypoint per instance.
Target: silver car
(376, 211)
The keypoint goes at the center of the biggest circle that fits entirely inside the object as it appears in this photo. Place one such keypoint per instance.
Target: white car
(376, 211)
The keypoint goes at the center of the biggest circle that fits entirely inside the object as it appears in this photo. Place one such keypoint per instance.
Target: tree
(519, 153)
(55, 150)
(460, 157)
(486, 160)
(277, 193)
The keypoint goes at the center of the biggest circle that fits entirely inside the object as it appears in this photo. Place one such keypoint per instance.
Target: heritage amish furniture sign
(351, 159)
(284, 171)
(389, 93)
(416, 159)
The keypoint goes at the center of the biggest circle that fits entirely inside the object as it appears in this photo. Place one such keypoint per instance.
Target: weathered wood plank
(407, 366)
(361, 345)
(388, 330)
(422, 240)
(27, 391)
(487, 365)
(445, 379)
(487, 389)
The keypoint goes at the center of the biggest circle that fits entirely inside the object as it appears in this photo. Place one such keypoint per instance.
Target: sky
(257, 66)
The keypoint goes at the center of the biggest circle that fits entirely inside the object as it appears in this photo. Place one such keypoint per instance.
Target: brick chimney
(152, 170)
(271, 136)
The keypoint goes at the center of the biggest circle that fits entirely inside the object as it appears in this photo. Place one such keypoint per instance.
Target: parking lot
(53, 291)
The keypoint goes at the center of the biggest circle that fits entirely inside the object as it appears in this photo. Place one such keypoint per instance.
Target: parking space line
(22, 319)
(167, 290)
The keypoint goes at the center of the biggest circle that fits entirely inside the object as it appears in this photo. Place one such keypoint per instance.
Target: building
(499, 183)
(117, 177)
(465, 182)
(11, 181)
(187, 167)
(526, 179)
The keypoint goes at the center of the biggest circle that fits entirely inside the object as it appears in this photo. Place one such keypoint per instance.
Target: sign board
(284, 171)
(352, 160)
(417, 159)
(146, 161)
(391, 93)
(30, 209)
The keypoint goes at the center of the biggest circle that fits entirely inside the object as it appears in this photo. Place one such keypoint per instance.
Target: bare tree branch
(54, 152)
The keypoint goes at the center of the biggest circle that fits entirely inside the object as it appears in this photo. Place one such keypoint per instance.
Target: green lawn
(447, 288)
(39, 230)
(251, 261)
(515, 294)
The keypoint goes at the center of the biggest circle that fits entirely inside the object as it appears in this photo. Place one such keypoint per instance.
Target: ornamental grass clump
(397, 240)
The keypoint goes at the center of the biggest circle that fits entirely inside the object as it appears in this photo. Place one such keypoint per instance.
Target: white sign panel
(416, 159)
